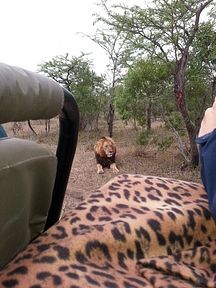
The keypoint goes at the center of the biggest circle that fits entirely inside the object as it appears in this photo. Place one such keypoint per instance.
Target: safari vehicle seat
(32, 179)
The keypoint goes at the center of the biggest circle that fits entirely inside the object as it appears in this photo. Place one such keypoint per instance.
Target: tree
(113, 42)
(204, 54)
(166, 30)
(145, 88)
(75, 74)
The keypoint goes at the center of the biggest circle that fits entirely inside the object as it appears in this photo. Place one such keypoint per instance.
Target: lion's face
(105, 147)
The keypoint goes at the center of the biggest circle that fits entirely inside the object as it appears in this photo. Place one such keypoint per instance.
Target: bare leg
(208, 123)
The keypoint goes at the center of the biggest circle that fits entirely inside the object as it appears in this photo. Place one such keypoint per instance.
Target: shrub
(164, 143)
(176, 121)
(144, 138)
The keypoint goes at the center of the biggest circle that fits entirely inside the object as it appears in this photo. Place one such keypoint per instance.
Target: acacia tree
(75, 74)
(166, 30)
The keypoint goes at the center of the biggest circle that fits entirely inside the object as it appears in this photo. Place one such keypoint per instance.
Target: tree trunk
(47, 126)
(96, 121)
(180, 98)
(110, 119)
(135, 124)
(149, 110)
(214, 88)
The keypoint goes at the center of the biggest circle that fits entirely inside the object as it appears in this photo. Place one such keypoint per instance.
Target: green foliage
(200, 71)
(174, 119)
(144, 138)
(145, 88)
(161, 139)
(204, 48)
(161, 30)
(76, 74)
(198, 89)
(163, 143)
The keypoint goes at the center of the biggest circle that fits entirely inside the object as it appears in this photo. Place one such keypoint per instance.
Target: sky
(34, 31)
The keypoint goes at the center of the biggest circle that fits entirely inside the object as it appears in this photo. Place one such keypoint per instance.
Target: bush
(164, 143)
(176, 121)
(144, 138)
(158, 137)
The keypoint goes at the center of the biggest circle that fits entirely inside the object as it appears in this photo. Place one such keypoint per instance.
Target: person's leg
(207, 140)
(2, 132)
(208, 123)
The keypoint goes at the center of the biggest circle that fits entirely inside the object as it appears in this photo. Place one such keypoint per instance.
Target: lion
(105, 151)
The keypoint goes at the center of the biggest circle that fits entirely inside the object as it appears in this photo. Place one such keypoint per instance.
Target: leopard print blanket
(136, 231)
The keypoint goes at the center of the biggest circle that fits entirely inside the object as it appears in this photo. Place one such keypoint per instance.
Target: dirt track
(130, 159)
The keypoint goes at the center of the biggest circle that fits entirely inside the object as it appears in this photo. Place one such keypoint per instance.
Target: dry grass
(131, 158)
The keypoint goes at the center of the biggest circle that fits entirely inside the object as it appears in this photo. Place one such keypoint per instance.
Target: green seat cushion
(27, 174)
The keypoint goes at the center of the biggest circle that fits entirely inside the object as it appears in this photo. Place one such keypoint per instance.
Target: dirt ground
(130, 158)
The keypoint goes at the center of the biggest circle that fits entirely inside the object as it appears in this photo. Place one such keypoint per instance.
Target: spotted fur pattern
(194, 267)
(134, 232)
